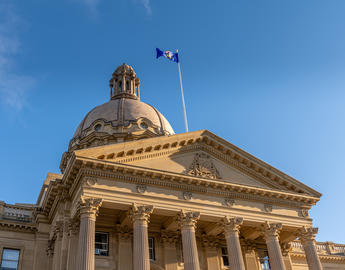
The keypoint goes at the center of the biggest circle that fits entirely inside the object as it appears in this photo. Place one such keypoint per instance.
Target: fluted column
(140, 216)
(231, 230)
(271, 233)
(86, 244)
(307, 236)
(188, 222)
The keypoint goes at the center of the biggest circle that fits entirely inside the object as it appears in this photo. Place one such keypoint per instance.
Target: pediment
(200, 154)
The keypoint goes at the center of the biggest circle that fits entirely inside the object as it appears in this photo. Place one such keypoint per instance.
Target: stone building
(134, 195)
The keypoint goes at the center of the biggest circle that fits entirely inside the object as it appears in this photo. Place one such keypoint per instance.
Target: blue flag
(167, 54)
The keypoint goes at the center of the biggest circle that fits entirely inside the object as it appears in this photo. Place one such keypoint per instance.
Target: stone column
(73, 236)
(86, 244)
(271, 233)
(169, 239)
(140, 216)
(231, 230)
(188, 222)
(307, 236)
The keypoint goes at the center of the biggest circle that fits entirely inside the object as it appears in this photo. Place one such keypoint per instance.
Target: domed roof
(122, 118)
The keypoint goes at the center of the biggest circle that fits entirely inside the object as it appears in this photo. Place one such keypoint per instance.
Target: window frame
(153, 248)
(225, 254)
(11, 248)
(108, 249)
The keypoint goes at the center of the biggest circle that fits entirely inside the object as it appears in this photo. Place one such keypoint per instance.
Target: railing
(16, 213)
(323, 248)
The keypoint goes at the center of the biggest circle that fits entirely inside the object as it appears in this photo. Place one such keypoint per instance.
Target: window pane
(10, 254)
(9, 264)
(101, 244)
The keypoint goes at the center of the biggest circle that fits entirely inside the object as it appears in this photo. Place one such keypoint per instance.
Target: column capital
(169, 237)
(141, 213)
(73, 227)
(89, 206)
(307, 233)
(210, 240)
(59, 229)
(272, 229)
(231, 224)
(188, 219)
(124, 232)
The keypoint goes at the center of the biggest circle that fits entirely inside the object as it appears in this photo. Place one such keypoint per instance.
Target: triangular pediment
(200, 154)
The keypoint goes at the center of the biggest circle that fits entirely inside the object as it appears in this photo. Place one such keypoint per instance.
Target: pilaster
(125, 257)
(169, 240)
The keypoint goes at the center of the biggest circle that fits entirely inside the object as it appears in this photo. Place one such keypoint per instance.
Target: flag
(168, 54)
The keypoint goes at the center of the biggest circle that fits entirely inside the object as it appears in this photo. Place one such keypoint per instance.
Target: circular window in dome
(143, 125)
(98, 127)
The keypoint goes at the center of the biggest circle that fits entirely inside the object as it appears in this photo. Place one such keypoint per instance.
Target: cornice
(17, 227)
(213, 144)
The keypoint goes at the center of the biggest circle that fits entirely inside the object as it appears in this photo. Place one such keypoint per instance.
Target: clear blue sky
(267, 76)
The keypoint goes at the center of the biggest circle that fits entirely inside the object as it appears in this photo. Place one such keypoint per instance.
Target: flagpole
(182, 95)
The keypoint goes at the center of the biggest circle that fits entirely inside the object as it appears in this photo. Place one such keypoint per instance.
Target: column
(187, 224)
(125, 257)
(307, 236)
(73, 237)
(231, 230)
(86, 244)
(169, 239)
(140, 216)
(271, 233)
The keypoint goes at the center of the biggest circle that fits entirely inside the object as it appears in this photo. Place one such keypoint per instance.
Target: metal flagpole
(182, 95)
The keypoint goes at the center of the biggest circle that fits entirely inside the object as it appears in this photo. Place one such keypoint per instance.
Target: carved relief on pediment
(202, 166)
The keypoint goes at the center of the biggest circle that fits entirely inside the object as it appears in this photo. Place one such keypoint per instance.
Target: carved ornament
(188, 219)
(124, 232)
(89, 206)
(272, 230)
(229, 202)
(141, 213)
(231, 225)
(202, 166)
(170, 237)
(308, 234)
(268, 208)
(141, 188)
(210, 240)
(187, 195)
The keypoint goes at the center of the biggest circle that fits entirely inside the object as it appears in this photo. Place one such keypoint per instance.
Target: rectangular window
(225, 256)
(265, 263)
(102, 244)
(152, 249)
(10, 259)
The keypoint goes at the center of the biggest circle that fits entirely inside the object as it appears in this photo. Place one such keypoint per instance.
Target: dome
(123, 118)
